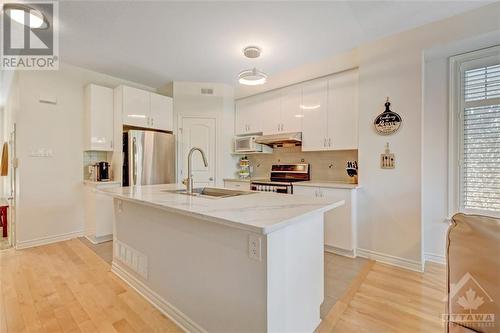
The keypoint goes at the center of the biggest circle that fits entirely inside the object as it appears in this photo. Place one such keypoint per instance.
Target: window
(475, 133)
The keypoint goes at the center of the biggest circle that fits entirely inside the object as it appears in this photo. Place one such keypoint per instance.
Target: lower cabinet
(237, 184)
(340, 223)
(98, 212)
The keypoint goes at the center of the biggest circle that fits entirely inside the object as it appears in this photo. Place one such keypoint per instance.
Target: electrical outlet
(254, 247)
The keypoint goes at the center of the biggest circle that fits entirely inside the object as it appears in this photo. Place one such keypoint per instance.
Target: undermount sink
(211, 192)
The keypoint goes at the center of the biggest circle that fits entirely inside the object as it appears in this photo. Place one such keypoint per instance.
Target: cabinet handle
(279, 127)
(324, 143)
(111, 144)
(329, 142)
(152, 121)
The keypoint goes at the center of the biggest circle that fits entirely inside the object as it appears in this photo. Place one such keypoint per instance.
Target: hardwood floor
(66, 287)
(387, 299)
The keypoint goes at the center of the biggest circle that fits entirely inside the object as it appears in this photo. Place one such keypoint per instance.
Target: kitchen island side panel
(202, 270)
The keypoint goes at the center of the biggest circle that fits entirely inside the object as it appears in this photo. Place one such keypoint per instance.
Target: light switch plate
(254, 247)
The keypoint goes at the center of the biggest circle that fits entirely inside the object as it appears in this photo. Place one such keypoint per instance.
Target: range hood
(282, 138)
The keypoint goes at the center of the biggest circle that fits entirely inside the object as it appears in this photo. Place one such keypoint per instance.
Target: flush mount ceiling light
(35, 18)
(252, 52)
(252, 77)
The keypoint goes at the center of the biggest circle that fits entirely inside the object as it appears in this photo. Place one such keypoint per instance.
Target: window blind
(481, 139)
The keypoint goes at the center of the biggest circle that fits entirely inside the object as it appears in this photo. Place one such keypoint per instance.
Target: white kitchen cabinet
(343, 110)
(98, 213)
(269, 106)
(237, 184)
(141, 108)
(340, 223)
(162, 112)
(291, 113)
(248, 116)
(135, 106)
(315, 116)
(98, 119)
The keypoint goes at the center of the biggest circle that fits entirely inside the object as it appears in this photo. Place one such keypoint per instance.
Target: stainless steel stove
(282, 178)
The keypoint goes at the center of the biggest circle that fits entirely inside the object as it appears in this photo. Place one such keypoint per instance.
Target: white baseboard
(101, 239)
(48, 240)
(391, 260)
(183, 321)
(342, 252)
(436, 258)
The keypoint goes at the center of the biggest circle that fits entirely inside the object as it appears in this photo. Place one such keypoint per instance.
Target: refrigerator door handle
(134, 161)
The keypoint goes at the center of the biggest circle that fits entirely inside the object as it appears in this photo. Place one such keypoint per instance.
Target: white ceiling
(156, 42)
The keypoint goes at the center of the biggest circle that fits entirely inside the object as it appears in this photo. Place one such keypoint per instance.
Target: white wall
(188, 101)
(50, 195)
(390, 215)
(435, 139)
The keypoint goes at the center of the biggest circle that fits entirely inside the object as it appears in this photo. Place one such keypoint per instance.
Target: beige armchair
(473, 281)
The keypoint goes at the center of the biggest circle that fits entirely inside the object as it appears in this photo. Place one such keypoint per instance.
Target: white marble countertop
(327, 183)
(261, 212)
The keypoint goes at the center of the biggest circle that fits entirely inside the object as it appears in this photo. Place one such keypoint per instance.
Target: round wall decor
(387, 122)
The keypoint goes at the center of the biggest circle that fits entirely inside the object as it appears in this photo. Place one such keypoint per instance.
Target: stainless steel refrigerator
(149, 158)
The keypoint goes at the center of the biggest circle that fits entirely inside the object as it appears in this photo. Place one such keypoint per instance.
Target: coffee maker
(103, 173)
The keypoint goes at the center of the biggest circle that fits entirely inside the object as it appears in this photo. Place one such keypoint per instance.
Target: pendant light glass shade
(252, 77)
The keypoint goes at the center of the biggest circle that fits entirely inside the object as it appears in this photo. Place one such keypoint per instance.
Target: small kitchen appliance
(103, 173)
(247, 144)
(282, 178)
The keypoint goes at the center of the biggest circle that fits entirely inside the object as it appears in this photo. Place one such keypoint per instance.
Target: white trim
(412, 265)
(436, 258)
(183, 321)
(48, 240)
(101, 239)
(339, 251)
(455, 102)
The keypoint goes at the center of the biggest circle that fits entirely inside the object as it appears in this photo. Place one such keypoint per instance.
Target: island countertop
(261, 212)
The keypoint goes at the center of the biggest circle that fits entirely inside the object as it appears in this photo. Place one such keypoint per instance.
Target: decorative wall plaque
(387, 122)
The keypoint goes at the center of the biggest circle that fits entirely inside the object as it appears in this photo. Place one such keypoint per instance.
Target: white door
(343, 110)
(135, 107)
(242, 115)
(339, 223)
(291, 113)
(314, 122)
(161, 115)
(200, 133)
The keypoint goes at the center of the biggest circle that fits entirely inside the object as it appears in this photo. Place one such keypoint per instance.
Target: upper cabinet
(248, 116)
(145, 109)
(98, 123)
(325, 111)
(343, 110)
(315, 115)
(162, 112)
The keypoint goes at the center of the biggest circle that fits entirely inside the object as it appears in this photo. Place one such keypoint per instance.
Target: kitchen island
(247, 263)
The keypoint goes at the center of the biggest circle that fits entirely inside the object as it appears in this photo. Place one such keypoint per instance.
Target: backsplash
(92, 157)
(325, 165)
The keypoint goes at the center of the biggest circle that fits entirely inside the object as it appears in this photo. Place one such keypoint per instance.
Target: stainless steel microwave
(246, 144)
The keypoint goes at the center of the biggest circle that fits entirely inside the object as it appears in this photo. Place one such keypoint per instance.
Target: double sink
(212, 192)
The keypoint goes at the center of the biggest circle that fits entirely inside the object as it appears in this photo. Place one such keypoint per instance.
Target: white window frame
(458, 65)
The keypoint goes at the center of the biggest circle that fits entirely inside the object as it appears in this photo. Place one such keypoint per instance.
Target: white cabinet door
(99, 120)
(248, 115)
(340, 228)
(314, 122)
(343, 110)
(291, 113)
(269, 109)
(237, 185)
(306, 190)
(161, 112)
(135, 106)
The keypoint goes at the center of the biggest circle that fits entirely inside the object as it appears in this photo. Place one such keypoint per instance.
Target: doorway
(198, 132)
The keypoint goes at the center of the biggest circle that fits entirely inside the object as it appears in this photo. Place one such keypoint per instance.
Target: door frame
(180, 119)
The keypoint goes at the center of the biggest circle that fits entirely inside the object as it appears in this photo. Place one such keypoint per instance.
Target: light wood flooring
(66, 287)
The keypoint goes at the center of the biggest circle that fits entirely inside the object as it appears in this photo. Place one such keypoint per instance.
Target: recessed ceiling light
(252, 52)
(252, 77)
(17, 12)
